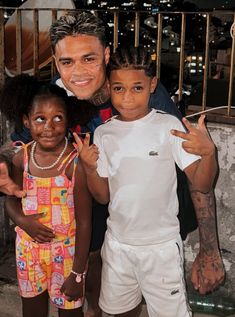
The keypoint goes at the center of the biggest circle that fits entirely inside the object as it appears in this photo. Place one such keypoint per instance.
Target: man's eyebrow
(83, 56)
(61, 59)
(89, 54)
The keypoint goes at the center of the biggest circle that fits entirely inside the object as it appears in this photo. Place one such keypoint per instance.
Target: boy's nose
(127, 96)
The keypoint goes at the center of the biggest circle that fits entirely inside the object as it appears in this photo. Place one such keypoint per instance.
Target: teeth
(80, 82)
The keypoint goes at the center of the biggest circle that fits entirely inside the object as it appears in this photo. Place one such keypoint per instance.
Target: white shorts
(154, 271)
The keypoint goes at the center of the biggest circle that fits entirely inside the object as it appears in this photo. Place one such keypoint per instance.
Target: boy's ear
(26, 121)
(153, 84)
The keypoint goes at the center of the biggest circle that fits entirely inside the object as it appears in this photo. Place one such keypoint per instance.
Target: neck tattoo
(101, 96)
(32, 156)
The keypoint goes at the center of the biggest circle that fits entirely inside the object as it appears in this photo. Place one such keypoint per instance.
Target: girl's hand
(88, 153)
(7, 186)
(197, 139)
(71, 289)
(35, 229)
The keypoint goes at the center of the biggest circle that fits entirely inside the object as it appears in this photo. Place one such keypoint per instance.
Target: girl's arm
(29, 224)
(83, 205)
(89, 154)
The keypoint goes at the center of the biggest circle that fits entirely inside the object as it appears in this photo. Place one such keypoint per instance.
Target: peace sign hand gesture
(197, 139)
(88, 153)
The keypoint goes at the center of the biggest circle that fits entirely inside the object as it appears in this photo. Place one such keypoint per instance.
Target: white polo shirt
(138, 158)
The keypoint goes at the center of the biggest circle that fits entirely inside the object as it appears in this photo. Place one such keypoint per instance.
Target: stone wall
(224, 137)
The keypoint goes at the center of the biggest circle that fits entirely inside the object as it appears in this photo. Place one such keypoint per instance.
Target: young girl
(133, 167)
(51, 256)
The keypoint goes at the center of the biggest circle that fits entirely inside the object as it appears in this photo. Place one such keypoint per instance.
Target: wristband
(79, 276)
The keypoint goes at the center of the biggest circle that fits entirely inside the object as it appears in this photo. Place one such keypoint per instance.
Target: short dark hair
(132, 58)
(75, 23)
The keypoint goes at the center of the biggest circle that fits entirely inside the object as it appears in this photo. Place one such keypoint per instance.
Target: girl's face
(47, 122)
(130, 92)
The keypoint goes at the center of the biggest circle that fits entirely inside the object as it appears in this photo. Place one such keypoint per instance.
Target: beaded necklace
(32, 156)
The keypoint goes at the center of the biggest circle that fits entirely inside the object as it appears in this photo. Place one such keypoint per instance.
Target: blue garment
(161, 100)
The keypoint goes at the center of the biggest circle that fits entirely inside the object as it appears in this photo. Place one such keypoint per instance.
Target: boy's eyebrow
(120, 82)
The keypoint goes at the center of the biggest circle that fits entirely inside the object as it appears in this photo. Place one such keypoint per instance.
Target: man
(81, 56)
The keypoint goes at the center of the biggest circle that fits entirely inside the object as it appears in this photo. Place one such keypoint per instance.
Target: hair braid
(132, 58)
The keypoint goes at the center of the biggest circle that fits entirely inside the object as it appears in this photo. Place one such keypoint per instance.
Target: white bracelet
(79, 276)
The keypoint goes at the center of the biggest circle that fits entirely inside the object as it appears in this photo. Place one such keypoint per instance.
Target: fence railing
(29, 47)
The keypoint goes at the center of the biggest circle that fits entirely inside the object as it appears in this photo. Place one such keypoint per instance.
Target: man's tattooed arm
(207, 270)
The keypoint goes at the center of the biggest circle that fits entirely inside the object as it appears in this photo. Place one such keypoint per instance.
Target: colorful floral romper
(45, 266)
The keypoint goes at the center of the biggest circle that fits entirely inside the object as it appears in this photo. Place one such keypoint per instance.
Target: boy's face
(81, 61)
(130, 92)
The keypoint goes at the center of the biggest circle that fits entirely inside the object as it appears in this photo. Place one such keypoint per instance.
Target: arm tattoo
(206, 216)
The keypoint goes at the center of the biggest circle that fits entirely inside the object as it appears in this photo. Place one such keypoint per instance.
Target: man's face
(81, 61)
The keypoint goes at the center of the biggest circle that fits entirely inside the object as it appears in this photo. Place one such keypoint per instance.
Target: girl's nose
(48, 125)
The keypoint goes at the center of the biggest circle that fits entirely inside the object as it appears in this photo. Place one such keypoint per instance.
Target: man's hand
(197, 140)
(88, 153)
(37, 231)
(7, 186)
(207, 272)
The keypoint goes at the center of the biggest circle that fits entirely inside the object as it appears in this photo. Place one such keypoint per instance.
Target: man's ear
(26, 121)
(106, 55)
(153, 84)
(53, 56)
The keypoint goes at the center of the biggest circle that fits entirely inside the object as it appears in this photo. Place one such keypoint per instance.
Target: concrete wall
(224, 137)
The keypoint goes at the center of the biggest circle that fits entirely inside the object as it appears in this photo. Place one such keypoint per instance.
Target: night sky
(213, 3)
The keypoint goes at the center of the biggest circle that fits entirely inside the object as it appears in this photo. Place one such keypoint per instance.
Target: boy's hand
(88, 153)
(35, 229)
(197, 140)
(71, 289)
(7, 186)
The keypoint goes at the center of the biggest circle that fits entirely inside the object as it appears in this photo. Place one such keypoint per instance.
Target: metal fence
(25, 47)
(39, 39)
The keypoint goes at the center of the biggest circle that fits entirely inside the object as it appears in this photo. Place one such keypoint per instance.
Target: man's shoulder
(161, 100)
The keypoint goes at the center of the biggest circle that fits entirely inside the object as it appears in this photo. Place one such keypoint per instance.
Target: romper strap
(67, 160)
(21, 145)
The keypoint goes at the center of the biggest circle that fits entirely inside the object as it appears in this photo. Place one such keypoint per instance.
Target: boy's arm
(82, 207)
(89, 154)
(207, 270)
(29, 224)
(201, 173)
(7, 186)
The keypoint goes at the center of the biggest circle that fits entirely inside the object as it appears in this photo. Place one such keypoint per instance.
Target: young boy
(132, 166)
